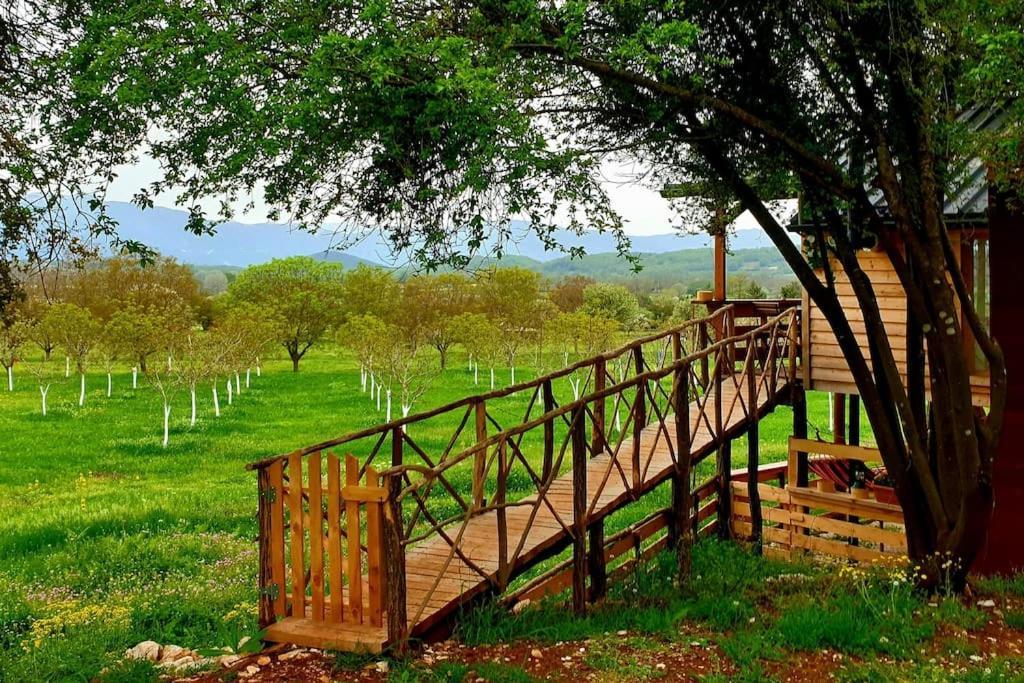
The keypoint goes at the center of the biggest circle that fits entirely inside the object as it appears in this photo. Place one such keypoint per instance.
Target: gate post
(394, 554)
(579, 510)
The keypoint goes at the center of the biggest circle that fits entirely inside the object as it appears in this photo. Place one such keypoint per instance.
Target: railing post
(549, 431)
(596, 561)
(597, 439)
(500, 514)
(753, 456)
(680, 529)
(639, 415)
(480, 457)
(724, 456)
(703, 343)
(394, 555)
(579, 510)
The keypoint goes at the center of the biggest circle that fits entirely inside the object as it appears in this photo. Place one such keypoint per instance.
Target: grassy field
(109, 539)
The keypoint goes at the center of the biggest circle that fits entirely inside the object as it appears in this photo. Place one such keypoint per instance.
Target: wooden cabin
(990, 235)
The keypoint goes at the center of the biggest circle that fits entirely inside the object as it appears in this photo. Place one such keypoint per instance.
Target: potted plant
(884, 488)
(859, 488)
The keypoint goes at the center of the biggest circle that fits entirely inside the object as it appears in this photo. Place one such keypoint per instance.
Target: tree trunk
(238, 383)
(142, 363)
(216, 400)
(388, 415)
(43, 391)
(492, 379)
(247, 377)
(258, 370)
(443, 350)
(110, 385)
(192, 419)
(167, 420)
(67, 366)
(10, 378)
(231, 395)
(296, 357)
(81, 391)
(512, 375)
(135, 377)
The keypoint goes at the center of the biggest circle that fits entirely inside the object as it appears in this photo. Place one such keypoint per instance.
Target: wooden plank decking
(437, 586)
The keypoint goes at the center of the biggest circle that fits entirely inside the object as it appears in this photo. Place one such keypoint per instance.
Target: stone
(536, 654)
(520, 606)
(263, 660)
(228, 660)
(147, 650)
(987, 603)
(298, 653)
(621, 633)
(171, 653)
(382, 666)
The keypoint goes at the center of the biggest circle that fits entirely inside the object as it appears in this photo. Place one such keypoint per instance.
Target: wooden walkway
(438, 585)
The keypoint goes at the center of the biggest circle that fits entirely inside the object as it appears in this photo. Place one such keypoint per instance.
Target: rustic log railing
(460, 514)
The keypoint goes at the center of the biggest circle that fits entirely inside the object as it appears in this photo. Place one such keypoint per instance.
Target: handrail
(650, 375)
(495, 394)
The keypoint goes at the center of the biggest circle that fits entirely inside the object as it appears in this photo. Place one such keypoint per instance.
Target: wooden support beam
(480, 458)
(579, 511)
(596, 561)
(720, 277)
(639, 415)
(597, 439)
(549, 430)
(839, 417)
(680, 529)
(799, 400)
(394, 567)
(264, 522)
(854, 422)
(753, 455)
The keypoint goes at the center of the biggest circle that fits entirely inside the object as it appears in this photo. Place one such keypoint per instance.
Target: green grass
(109, 539)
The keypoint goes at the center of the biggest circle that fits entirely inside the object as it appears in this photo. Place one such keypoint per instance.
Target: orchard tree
(45, 373)
(508, 296)
(482, 339)
(368, 290)
(363, 335)
(107, 354)
(612, 302)
(459, 116)
(197, 357)
(79, 332)
(567, 293)
(431, 302)
(13, 336)
(141, 331)
(300, 295)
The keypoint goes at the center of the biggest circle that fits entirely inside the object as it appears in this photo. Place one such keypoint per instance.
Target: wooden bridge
(441, 509)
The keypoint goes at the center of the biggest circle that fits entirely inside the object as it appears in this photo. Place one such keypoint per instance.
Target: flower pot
(885, 494)
(826, 486)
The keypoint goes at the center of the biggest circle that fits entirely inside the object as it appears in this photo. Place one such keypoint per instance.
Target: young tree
(302, 296)
(363, 335)
(79, 332)
(408, 369)
(140, 331)
(430, 303)
(836, 102)
(481, 338)
(612, 302)
(106, 353)
(198, 355)
(509, 298)
(45, 373)
(166, 383)
(13, 336)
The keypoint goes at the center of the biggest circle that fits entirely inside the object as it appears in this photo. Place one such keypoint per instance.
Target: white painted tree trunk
(216, 400)
(247, 377)
(618, 421)
(492, 379)
(67, 366)
(405, 410)
(230, 393)
(43, 391)
(388, 415)
(110, 385)
(10, 378)
(378, 398)
(362, 378)
(238, 383)
(373, 386)
(565, 358)
(135, 377)
(192, 420)
(575, 383)
(81, 391)
(167, 420)
(513, 378)
(170, 363)
(471, 362)
(258, 373)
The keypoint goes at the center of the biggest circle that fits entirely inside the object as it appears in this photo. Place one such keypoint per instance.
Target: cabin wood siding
(825, 367)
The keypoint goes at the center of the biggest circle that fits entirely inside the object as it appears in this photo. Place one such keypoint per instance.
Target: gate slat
(316, 537)
(355, 578)
(373, 550)
(297, 533)
(277, 569)
(335, 560)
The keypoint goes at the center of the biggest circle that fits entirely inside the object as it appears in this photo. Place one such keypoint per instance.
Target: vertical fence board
(336, 559)
(316, 537)
(297, 535)
(374, 548)
(275, 472)
(355, 572)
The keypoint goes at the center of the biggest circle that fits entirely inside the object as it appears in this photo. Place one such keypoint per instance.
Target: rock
(228, 660)
(520, 606)
(297, 653)
(987, 603)
(250, 670)
(621, 633)
(171, 653)
(263, 660)
(147, 650)
(660, 666)
(382, 666)
(536, 654)
(428, 660)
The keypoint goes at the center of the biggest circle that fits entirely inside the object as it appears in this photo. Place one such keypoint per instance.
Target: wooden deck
(438, 585)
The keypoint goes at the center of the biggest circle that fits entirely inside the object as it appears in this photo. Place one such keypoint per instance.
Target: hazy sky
(643, 209)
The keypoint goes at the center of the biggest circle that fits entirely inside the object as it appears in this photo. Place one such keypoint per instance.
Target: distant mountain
(242, 244)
